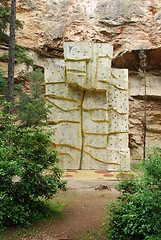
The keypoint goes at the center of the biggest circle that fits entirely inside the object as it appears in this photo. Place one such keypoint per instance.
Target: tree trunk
(142, 71)
(11, 60)
(11, 64)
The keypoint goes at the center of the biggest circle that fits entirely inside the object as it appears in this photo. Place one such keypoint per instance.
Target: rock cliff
(133, 27)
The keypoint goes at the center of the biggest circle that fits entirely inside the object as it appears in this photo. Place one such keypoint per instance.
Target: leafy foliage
(4, 15)
(22, 175)
(136, 213)
(3, 84)
(36, 86)
(32, 109)
(5, 20)
(21, 56)
(152, 168)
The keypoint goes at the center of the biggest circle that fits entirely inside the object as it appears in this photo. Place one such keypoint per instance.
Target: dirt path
(83, 211)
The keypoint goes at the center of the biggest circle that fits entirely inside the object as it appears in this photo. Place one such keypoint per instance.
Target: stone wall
(137, 111)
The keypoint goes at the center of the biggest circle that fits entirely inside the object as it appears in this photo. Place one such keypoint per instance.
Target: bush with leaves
(21, 55)
(3, 85)
(136, 213)
(32, 109)
(22, 175)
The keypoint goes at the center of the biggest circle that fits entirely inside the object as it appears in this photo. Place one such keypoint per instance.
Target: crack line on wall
(65, 110)
(61, 121)
(53, 96)
(82, 130)
(99, 160)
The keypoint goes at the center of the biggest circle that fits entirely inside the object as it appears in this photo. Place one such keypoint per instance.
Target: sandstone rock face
(130, 26)
(89, 114)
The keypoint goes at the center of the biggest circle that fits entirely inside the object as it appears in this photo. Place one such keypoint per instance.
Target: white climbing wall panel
(89, 108)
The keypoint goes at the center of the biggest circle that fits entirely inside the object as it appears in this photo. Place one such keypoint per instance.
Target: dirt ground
(83, 210)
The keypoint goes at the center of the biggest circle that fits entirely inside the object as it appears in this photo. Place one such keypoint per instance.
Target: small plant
(128, 184)
(136, 166)
(3, 84)
(94, 234)
(152, 167)
(136, 213)
(21, 56)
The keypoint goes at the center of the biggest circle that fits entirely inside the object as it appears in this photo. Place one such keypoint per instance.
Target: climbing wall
(89, 108)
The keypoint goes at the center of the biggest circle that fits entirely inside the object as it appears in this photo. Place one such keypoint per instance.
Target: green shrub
(4, 16)
(152, 168)
(5, 13)
(21, 56)
(3, 84)
(32, 111)
(136, 213)
(22, 175)
(128, 184)
(31, 106)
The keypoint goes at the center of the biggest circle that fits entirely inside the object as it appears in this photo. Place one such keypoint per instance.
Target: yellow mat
(93, 174)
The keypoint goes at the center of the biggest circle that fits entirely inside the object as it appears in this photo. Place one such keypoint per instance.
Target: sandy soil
(83, 211)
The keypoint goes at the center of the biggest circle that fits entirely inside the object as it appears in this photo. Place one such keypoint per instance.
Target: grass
(100, 233)
(136, 167)
(56, 209)
(17, 233)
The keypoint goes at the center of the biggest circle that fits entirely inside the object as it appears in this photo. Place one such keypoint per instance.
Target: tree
(142, 72)
(5, 14)
(4, 19)
(29, 175)
(31, 106)
(11, 60)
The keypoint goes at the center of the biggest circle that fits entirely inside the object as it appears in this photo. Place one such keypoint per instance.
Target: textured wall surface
(89, 114)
